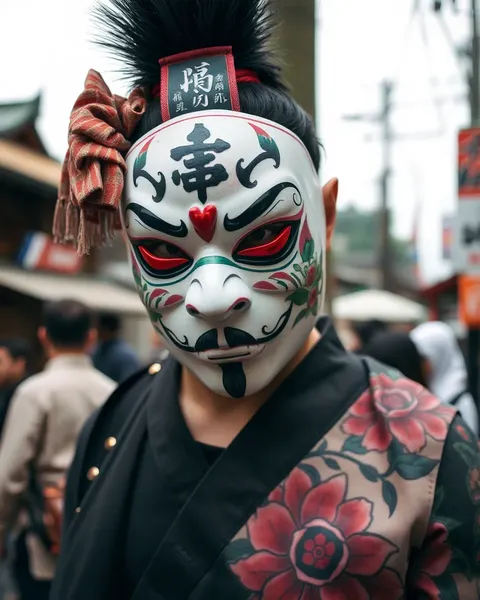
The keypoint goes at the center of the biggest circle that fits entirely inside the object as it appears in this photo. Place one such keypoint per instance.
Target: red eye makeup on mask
(265, 241)
(161, 258)
(268, 244)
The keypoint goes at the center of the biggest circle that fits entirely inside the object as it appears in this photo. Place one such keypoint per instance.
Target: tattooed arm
(448, 564)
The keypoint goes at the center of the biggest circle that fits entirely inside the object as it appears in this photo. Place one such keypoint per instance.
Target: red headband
(242, 76)
(199, 80)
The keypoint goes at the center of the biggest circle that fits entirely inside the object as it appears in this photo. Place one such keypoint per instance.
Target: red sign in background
(40, 253)
(469, 162)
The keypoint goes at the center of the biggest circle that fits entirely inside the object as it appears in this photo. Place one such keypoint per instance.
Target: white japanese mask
(226, 227)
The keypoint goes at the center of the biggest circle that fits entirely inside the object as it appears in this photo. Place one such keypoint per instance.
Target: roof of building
(441, 287)
(15, 116)
(99, 294)
(29, 164)
(363, 270)
(22, 154)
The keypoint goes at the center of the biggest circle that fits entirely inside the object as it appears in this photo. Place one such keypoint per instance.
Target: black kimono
(351, 482)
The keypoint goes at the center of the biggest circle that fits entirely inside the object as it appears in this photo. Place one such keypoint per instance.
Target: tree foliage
(358, 232)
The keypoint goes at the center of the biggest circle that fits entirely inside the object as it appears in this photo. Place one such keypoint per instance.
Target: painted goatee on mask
(226, 227)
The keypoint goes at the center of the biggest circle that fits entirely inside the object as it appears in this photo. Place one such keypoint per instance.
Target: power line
(388, 137)
(454, 47)
(439, 4)
(406, 36)
(433, 80)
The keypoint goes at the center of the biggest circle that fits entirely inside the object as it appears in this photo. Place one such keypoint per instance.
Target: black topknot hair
(140, 32)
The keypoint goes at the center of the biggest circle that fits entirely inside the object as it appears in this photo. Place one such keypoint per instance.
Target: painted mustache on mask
(234, 338)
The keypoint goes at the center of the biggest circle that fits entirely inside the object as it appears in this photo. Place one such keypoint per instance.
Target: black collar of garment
(219, 498)
(215, 501)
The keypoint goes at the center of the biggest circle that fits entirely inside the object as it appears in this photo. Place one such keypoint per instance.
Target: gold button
(154, 369)
(110, 443)
(92, 473)
(78, 510)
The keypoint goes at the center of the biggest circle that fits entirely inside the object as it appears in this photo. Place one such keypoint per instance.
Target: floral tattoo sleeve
(447, 567)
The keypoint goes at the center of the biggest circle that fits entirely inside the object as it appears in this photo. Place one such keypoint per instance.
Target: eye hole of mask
(268, 244)
(161, 257)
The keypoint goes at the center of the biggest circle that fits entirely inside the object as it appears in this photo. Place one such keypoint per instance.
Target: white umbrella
(377, 304)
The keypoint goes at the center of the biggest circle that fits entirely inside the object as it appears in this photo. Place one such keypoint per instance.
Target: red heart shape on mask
(204, 221)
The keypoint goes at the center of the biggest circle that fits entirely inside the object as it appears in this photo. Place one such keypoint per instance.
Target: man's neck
(216, 420)
(57, 353)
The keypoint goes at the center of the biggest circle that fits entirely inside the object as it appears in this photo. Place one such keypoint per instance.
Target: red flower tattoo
(400, 409)
(311, 543)
(434, 560)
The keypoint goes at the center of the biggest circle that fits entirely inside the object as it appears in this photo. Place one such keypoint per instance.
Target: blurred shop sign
(448, 224)
(466, 239)
(40, 253)
(469, 300)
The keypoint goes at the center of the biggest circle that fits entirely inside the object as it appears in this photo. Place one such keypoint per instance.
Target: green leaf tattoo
(413, 466)
(389, 494)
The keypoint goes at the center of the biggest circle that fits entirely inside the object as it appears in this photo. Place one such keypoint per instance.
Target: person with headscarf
(445, 370)
(396, 349)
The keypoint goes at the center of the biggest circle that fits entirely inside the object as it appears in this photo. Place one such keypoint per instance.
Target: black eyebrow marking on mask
(156, 223)
(257, 209)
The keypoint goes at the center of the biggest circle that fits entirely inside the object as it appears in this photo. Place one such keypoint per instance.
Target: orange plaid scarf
(93, 173)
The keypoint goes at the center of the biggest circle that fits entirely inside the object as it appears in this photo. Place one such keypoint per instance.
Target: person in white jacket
(445, 369)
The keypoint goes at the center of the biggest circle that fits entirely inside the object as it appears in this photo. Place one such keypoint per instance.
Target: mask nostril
(192, 311)
(241, 304)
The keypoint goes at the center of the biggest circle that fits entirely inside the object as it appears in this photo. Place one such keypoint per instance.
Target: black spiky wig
(140, 32)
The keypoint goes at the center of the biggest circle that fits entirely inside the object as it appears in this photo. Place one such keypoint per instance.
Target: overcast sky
(46, 45)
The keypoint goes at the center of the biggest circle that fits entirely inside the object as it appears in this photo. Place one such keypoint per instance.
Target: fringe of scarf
(85, 228)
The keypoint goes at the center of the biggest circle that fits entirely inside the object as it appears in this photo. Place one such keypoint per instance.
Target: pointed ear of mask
(330, 193)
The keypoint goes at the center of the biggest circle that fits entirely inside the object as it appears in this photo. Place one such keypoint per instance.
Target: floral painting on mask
(217, 211)
(306, 279)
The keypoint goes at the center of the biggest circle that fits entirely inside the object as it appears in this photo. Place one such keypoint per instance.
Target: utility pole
(385, 262)
(385, 250)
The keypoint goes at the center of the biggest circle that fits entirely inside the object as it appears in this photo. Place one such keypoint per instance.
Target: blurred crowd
(428, 354)
(41, 415)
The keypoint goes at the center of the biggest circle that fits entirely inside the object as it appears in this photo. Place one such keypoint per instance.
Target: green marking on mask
(220, 260)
